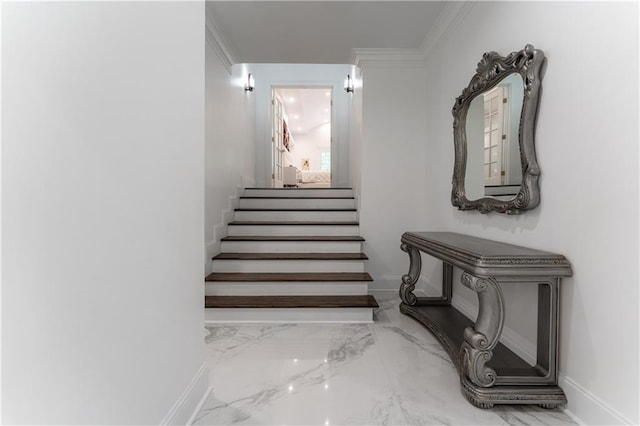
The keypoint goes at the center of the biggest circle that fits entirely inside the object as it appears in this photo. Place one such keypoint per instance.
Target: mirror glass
(494, 167)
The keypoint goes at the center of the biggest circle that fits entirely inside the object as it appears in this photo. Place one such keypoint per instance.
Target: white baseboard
(185, 409)
(288, 315)
(586, 408)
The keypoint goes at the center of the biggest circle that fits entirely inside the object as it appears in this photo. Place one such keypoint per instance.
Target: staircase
(292, 255)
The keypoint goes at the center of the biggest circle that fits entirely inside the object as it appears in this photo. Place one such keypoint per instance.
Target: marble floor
(392, 372)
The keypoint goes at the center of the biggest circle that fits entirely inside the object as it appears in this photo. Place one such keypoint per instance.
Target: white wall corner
(217, 42)
(594, 411)
(385, 283)
(449, 18)
(185, 409)
(221, 228)
(387, 58)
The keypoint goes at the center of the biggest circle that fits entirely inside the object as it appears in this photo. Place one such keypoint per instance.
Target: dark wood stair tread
(287, 276)
(250, 197)
(292, 222)
(295, 210)
(292, 238)
(366, 301)
(300, 189)
(291, 256)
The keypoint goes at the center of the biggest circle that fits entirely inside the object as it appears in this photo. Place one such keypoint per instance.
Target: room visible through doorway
(301, 137)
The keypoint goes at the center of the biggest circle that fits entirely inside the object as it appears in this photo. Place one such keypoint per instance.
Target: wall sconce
(250, 85)
(348, 84)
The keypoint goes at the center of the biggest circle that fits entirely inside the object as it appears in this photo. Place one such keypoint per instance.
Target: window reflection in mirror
(493, 151)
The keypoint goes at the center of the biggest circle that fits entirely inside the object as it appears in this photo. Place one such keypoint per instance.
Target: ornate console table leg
(409, 280)
(479, 341)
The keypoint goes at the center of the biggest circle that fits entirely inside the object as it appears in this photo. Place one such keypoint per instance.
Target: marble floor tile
(391, 372)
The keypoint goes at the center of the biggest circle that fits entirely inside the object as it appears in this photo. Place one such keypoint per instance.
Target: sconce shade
(348, 84)
(251, 84)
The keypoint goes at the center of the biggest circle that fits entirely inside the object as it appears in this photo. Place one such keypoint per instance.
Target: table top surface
(480, 252)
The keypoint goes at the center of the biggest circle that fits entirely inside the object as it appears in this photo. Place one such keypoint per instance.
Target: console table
(489, 372)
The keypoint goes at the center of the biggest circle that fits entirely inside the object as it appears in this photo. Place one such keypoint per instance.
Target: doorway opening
(301, 128)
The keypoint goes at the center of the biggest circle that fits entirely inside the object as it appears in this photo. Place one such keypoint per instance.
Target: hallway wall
(586, 126)
(102, 212)
(229, 145)
(393, 150)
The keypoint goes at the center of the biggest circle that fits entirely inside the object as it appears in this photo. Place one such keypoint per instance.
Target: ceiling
(319, 31)
(306, 109)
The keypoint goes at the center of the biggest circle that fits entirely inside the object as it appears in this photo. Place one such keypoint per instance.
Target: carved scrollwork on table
(409, 280)
(480, 340)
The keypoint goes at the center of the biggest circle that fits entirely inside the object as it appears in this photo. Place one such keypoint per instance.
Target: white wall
(587, 127)
(229, 147)
(102, 220)
(309, 75)
(355, 135)
(311, 145)
(393, 167)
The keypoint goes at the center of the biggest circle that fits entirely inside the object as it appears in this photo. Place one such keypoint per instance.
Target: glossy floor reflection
(392, 372)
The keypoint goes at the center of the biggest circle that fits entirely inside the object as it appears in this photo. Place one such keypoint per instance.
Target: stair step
(291, 256)
(298, 192)
(292, 223)
(302, 203)
(287, 276)
(294, 228)
(277, 209)
(296, 215)
(292, 238)
(289, 262)
(366, 301)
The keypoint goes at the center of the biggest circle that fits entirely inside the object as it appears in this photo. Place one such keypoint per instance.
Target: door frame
(332, 117)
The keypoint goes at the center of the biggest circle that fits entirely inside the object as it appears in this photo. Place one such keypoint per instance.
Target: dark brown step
(295, 198)
(295, 210)
(291, 256)
(290, 222)
(367, 301)
(301, 189)
(287, 276)
(291, 238)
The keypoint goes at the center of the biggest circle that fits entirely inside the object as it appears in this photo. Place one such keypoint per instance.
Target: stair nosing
(295, 238)
(248, 197)
(265, 302)
(270, 277)
(291, 256)
(293, 223)
(295, 210)
(300, 189)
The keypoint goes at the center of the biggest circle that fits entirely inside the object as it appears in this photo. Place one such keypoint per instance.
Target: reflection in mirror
(493, 166)
(492, 174)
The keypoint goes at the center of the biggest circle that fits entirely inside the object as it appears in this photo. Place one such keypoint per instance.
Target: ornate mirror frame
(492, 69)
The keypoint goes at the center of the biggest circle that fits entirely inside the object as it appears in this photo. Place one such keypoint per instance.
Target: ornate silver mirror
(494, 119)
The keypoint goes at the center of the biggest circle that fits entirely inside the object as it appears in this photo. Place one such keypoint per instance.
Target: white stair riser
(291, 247)
(299, 216)
(226, 265)
(287, 289)
(298, 193)
(289, 315)
(294, 230)
(297, 203)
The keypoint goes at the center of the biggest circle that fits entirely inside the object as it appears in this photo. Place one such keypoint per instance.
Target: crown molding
(448, 20)
(216, 41)
(385, 58)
